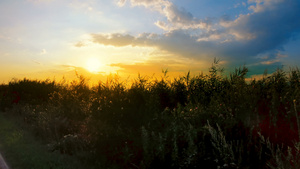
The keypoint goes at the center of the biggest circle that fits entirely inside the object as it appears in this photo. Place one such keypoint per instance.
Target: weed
(163, 122)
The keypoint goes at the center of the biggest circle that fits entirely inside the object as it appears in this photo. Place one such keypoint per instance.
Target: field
(186, 122)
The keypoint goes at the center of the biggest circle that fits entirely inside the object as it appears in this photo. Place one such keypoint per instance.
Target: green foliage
(21, 149)
(163, 122)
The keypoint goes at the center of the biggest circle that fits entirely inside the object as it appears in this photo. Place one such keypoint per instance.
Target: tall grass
(186, 122)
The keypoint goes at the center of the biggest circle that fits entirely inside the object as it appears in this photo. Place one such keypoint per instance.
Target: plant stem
(298, 123)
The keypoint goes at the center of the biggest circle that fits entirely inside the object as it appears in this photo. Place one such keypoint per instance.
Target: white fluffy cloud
(175, 18)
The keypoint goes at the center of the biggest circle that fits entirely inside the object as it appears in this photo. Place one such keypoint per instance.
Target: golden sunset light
(149, 84)
(133, 34)
(93, 65)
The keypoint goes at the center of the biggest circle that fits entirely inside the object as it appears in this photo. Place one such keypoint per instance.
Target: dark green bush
(187, 122)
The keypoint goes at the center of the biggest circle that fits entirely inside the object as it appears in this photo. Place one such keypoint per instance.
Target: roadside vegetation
(186, 122)
(23, 150)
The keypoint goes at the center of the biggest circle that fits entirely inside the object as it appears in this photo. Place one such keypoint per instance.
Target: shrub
(164, 122)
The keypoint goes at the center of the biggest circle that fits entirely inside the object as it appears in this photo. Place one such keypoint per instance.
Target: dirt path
(3, 164)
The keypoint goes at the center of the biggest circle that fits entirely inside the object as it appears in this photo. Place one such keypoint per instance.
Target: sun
(93, 65)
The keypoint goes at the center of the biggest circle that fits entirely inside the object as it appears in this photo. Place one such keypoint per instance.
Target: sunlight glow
(93, 65)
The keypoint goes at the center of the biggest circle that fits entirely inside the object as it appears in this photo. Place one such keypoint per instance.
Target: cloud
(175, 18)
(271, 25)
(79, 44)
(175, 42)
(279, 55)
(37, 62)
(270, 62)
(257, 77)
(76, 70)
(64, 73)
(116, 39)
(155, 66)
(149, 3)
(239, 4)
(262, 5)
(121, 3)
(40, 1)
(86, 6)
(268, 26)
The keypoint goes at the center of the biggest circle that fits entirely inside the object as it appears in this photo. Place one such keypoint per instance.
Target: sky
(52, 39)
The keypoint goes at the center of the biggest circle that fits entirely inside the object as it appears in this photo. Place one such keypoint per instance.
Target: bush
(164, 122)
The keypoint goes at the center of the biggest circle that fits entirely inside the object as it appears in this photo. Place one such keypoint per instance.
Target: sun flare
(93, 65)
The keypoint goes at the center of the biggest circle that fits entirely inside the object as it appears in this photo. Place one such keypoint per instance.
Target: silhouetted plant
(162, 122)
